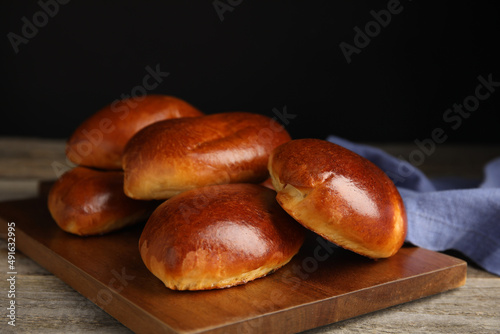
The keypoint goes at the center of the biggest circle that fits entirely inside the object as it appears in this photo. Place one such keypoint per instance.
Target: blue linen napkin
(446, 214)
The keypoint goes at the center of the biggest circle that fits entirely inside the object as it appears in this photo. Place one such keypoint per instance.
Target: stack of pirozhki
(226, 197)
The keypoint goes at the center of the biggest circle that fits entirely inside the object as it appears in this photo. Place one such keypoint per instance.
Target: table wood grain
(48, 305)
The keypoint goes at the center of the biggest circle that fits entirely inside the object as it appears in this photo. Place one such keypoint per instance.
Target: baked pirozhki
(172, 156)
(84, 201)
(99, 141)
(339, 195)
(219, 236)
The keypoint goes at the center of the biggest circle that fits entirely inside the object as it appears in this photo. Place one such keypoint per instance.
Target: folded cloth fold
(445, 214)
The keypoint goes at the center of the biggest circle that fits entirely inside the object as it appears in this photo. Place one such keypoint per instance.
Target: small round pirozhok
(219, 236)
(99, 141)
(339, 195)
(86, 201)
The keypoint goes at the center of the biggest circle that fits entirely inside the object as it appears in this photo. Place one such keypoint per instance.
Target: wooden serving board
(321, 285)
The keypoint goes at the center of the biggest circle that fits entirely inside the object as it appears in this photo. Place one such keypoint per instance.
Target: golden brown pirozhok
(84, 201)
(172, 156)
(219, 236)
(99, 141)
(339, 195)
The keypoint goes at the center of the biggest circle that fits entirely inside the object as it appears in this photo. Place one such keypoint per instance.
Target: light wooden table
(48, 305)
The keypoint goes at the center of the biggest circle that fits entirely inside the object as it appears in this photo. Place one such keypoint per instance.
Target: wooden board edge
(330, 310)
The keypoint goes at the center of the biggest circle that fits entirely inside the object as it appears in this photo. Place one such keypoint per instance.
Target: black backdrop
(258, 56)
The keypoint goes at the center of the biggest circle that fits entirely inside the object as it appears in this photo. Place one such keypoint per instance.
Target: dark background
(262, 56)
